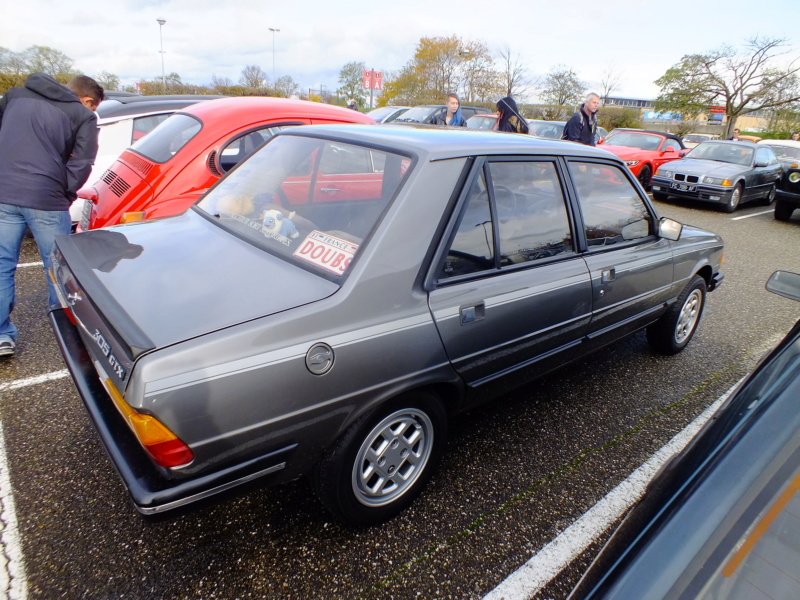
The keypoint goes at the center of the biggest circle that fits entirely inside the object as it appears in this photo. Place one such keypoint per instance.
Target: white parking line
(13, 584)
(33, 264)
(531, 577)
(758, 214)
(21, 383)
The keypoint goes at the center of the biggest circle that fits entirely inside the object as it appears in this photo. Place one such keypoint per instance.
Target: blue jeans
(45, 226)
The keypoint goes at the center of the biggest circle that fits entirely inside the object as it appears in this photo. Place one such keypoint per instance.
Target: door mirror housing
(669, 229)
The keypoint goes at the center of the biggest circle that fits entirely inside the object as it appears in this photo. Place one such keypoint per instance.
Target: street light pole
(161, 22)
(274, 31)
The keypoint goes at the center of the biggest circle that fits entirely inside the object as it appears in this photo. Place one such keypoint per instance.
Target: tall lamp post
(274, 31)
(161, 35)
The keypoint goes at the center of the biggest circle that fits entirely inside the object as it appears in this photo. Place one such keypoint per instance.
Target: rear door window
(166, 140)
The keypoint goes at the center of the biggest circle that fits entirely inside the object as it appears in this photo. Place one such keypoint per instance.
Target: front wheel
(733, 201)
(671, 333)
(383, 461)
(783, 210)
(644, 177)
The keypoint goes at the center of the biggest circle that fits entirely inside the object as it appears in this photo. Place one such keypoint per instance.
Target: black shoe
(6, 348)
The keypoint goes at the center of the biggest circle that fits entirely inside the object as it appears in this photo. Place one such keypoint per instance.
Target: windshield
(696, 138)
(308, 200)
(643, 141)
(785, 152)
(167, 139)
(546, 129)
(482, 122)
(418, 114)
(730, 153)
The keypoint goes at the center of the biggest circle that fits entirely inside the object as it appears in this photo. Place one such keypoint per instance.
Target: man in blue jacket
(48, 144)
(583, 124)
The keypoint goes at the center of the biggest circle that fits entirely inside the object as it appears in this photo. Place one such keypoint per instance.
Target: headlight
(794, 176)
(709, 180)
(664, 173)
(632, 163)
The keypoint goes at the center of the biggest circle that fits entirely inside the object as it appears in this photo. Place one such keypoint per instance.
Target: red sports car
(644, 151)
(165, 172)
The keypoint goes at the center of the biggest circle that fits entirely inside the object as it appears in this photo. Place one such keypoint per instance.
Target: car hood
(626, 152)
(712, 168)
(162, 282)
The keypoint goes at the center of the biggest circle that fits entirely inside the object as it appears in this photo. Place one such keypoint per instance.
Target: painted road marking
(758, 214)
(33, 264)
(531, 577)
(21, 383)
(13, 584)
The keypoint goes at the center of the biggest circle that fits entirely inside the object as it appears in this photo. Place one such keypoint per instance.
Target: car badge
(73, 298)
(319, 358)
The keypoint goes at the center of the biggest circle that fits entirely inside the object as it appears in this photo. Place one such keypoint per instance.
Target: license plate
(86, 215)
(683, 187)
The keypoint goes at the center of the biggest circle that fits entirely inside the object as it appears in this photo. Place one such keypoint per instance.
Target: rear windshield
(167, 139)
(312, 201)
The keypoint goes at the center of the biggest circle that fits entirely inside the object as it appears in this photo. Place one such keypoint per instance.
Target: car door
(767, 171)
(631, 267)
(509, 292)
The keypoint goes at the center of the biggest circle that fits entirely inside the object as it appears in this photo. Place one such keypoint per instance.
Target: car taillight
(131, 217)
(163, 446)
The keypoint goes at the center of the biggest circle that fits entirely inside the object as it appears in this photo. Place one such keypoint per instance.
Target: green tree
(49, 60)
(350, 82)
(743, 82)
(562, 91)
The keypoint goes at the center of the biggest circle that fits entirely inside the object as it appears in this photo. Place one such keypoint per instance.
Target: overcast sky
(317, 38)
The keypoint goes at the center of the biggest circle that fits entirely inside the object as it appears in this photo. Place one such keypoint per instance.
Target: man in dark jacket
(582, 125)
(48, 144)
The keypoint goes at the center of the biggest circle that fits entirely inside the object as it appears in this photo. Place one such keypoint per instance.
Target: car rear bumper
(150, 491)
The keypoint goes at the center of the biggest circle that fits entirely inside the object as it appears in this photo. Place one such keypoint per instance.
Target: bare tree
(253, 77)
(513, 73)
(610, 81)
(562, 89)
(286, 86)
(743, 82)
(108, 81)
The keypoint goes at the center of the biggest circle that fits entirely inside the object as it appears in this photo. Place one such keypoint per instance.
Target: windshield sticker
(328, 252)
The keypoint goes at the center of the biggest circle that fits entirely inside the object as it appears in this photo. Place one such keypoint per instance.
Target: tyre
(783, 211)
(660, 197)
(644, 177)
(733, 201)
(769, 198)
(383, 461)
(671, 333)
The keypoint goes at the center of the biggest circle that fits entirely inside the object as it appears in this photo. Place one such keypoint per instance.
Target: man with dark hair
(582, 125)
(48, 144)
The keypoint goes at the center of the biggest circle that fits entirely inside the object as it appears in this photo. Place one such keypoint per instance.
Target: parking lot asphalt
(517, 472)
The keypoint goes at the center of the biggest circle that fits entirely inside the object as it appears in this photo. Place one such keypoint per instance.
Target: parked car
(644, 151)
(787, 196)
(690, 140)
(426, 113)
(482, 121)
(166, 172)
(749, 138)
(722, 172)
(387, 114)
(330, 303)
(123, 119)
(546, 129)
(720, 520)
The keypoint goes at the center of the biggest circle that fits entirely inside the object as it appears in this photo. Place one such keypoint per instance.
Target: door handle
(329, 190)
(471, 314)
(608, 275)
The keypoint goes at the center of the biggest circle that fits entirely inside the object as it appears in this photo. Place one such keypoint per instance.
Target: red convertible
(165, 172)
(644, 151)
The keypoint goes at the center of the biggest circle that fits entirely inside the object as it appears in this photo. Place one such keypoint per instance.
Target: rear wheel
(671, 333)
(769, 198)
(733, 201)
(644, 176)
(383, 461)
(783, 210)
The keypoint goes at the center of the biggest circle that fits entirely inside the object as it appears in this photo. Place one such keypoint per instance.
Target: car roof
(124, 106)
(439, 143)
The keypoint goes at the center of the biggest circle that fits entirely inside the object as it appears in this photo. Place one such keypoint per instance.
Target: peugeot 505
(327, 306)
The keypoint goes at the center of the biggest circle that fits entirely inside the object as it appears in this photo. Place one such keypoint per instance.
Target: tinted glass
(612, 210)
(472, 248)
(243, 146)
(144, 125)
(308, 200)
(166, 140)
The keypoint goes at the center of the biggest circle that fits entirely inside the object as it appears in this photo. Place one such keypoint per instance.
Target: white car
(123, 119)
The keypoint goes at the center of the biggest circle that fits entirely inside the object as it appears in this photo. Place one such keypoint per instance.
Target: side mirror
(600, 141)
(785, 284)
(683, 152)
(669, 229)
(670, 149)
(761, 163)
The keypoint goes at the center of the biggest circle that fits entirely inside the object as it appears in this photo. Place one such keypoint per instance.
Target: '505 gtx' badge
(105, 348)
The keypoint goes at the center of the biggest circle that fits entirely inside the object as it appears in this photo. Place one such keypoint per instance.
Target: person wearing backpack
(582, 125)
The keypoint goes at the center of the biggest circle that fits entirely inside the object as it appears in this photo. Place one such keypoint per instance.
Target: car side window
(532, 220)
(243, 146)
(144, 125)
(612, 210)
(472, 248)
(764, 155)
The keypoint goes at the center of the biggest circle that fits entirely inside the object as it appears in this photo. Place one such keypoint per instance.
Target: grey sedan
(328, 305)
(722, 172)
